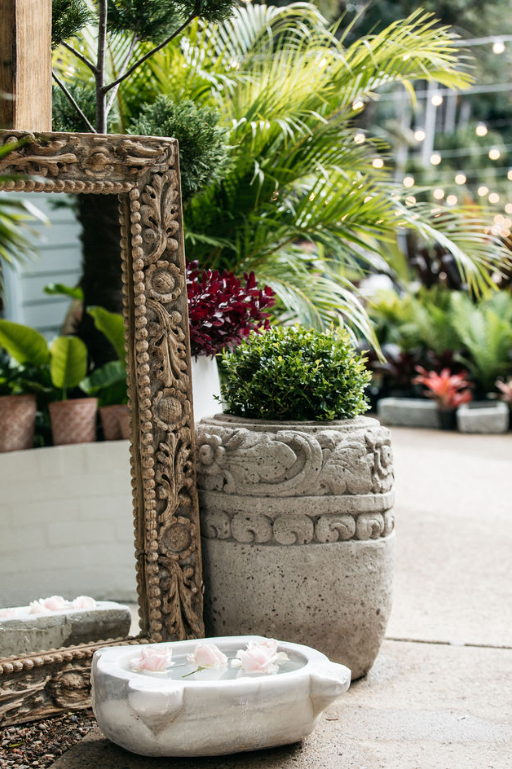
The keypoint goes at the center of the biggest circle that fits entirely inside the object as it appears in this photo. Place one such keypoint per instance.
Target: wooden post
(25, 65)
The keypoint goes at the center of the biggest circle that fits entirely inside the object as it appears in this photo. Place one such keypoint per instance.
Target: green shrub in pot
(295, 491)
(295, 373)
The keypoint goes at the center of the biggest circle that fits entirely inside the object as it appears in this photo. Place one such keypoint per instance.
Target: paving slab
(423, 706)
(454, 537)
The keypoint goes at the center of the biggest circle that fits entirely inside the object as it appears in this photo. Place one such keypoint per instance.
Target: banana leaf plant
(62, 364)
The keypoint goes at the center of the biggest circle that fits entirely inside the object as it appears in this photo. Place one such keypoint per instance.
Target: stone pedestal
(297, 529)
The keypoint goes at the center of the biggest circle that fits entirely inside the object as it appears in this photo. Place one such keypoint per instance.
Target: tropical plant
(65, 358)
(15, 215)
(222, 310)
(295, 373)
(302, 201)
(447, 389)
(485, 331)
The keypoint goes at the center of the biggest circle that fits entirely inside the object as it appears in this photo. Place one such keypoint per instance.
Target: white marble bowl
(164, 714)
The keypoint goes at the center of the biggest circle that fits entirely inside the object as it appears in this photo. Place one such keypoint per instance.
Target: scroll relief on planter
(349, 476)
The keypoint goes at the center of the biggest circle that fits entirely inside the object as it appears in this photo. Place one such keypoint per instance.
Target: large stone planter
(297, 529)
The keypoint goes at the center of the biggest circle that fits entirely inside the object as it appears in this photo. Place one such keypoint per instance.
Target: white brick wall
(66, 523)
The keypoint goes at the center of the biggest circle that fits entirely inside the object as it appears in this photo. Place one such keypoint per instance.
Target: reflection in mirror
(67, 564)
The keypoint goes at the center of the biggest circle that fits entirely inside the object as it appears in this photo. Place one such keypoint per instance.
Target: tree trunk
(101, 269)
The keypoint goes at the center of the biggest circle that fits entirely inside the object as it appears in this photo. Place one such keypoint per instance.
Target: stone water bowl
(211, 712)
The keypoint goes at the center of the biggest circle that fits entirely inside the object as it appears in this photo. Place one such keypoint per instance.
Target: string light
(358, 104)
(451, 200)
(507, 223)
(378, 163)
(460, 179)
(481, 130)
(508, 208)
(483, 191)
(420, 135)
(408, 181)
(435, 159)
(498, 47)
(509, 175)
(359, 138)
(494, 198)
(499, 219)
(410, 200)
(494, 153)
(438, 193)
(437, 100)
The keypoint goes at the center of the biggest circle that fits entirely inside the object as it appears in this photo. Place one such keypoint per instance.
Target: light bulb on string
(358, 105)
(378, 163)
(508, 208)
(410, 200)
(498, 47)
(438, 193)
(437, 100)
(494, 153)
(483, 191)
(451, 200)
(494, 198)
(435, 159)
(359, 138)
(408, 181)
(509, 175)
(481, 129)
(420, 135)
(460, 179)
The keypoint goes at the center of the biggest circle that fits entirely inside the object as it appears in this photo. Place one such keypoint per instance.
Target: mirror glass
(67, 562)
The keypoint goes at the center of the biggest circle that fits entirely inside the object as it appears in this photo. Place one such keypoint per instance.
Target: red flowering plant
(449, 390)
(505, 389)
(223, 309)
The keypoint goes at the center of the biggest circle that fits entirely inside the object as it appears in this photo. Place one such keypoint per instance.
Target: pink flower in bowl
(37, 607)
(55, 603)
(260, 658)
(152, 660)
(83, 602)
(207, 656)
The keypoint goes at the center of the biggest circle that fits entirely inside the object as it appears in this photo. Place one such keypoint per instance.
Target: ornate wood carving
(144, 173)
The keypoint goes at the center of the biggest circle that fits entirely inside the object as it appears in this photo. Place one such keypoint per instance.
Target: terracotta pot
(73, 421)
(17, 422)
(297, 527)
(115, 421)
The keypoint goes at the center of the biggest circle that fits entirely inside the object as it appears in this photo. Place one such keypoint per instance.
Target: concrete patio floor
(440, 693)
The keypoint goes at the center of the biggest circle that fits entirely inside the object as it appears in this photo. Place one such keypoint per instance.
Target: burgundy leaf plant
(223, 309)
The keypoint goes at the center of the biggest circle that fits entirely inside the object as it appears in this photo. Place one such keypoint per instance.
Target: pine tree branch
(73, 102)
(149, 54)
(80, 56)
(121, 72)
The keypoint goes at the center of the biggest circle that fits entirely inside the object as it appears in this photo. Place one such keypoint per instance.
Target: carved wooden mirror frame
(144, 173)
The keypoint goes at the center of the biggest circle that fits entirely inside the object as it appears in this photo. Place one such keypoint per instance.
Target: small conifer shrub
(294, 373)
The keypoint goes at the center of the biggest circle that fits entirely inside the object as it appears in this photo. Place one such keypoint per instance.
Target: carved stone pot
(297, 529)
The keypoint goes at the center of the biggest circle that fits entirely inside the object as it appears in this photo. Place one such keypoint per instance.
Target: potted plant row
(295, 490)
(53, 371)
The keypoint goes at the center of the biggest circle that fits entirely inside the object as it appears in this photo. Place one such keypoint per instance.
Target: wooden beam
(25, 65)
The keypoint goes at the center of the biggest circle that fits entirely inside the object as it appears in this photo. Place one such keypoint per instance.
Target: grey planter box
(483, 417)
(408, 412)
